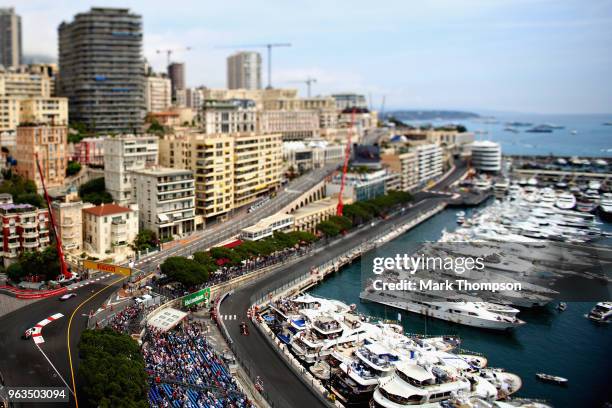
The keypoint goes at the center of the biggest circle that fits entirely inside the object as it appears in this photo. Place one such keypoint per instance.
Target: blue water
(565, 344)
(592, 138)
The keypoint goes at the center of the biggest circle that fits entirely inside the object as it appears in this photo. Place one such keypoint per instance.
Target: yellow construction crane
(269, 47)
(170, 51)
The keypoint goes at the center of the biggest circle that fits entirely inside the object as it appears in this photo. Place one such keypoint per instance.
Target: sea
(559, 343)
(591, 139)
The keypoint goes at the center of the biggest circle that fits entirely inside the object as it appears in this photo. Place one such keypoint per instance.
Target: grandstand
(185, 371)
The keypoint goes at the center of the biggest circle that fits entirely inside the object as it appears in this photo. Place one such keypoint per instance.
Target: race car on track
(67, 296)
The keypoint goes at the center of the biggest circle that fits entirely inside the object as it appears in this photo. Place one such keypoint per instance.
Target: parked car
(143, 299)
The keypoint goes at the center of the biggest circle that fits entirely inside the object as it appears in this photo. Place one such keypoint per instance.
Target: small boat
(574, 132)
(562, 306)
(552, 378)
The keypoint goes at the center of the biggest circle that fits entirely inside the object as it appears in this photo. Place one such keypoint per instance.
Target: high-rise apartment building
(244, 70)
(176, 72)
(49, 142)
(101, 69)
(166, 200)
(122, 154)
(158, 93)
(10, 38)
(231, 170)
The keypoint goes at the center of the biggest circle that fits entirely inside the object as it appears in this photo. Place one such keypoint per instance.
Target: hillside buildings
(429, 162)
(68, 214)
(24, 228)
(123, 154)
(349, 101)
(244, 70)
(402, 162)
(176, 73)
(166, 201)
(11, 46)
(49, 142)
(102, 74)
(89, 151)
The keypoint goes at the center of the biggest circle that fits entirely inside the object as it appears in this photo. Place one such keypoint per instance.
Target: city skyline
(527, 56)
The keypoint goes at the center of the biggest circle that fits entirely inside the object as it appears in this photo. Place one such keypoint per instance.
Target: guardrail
(31, 293)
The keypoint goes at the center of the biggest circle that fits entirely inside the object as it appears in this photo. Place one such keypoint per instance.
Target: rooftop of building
(162, 171)
(318, 206)
(268, 221)
(106, 209)
(10, 208)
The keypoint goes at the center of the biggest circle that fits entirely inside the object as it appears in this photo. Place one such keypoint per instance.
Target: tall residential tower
(102, 70)
(244, 70)
(10, 38)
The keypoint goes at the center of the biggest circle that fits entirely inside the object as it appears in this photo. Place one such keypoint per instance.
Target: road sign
(202, 295)
(99, 266)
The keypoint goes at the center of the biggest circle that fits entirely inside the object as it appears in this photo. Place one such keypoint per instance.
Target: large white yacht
(476, 314)
(566, 201)
(418, 384)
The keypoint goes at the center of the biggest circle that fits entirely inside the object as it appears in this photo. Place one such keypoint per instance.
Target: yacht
(424, 385)
(594, 185)
(457, 311)
(602, 312)
(566, 201)
(475, 402)
(500, 189)
(605, 207)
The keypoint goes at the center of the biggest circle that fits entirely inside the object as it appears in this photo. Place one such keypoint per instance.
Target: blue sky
(544, 56)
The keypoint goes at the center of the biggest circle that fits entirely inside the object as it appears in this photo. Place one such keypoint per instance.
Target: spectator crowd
(185, 371)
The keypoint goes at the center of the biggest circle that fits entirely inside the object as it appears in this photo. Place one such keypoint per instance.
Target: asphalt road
(217, 233)
(22, 364)
(283, 387)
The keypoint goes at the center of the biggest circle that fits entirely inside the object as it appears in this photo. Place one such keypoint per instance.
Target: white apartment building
(166, 200)
(24, 84)
(303, 155)
(228, 116)
(39, 110)
(158, 93)
(109, 229)
(429, 161)
(123, 154)
(291, 124)
(486, 156)
(244, 70)
(349, 100)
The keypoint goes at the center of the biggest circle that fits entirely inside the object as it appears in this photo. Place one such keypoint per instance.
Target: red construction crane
(58, 242)
(347, 155)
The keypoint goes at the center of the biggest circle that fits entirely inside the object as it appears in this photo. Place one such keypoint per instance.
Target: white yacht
(602, 312)
(566, 201)
(461, 312)
(605, 206)
(424, 385)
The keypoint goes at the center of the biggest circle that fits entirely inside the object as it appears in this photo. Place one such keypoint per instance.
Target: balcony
(43, 240)
(32, 244)
(31, 234)
(29, 224)
(13, 244)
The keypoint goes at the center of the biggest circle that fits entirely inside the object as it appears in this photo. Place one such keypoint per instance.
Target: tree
(15, 272)
(343, 223)
(73, 168)
(156, 128)
(185, 271)
(23, 191)
(112, 370)
(94, 191)
(145, 239)
(329, 229)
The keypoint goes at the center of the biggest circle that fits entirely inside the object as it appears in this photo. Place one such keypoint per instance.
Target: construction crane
(269, 46)
(347, 155)
(170, 51)
(308, 81)
(58, 242)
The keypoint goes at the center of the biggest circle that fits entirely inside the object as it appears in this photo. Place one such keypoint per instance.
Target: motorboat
(602, 312)
(552, 379)
(605, 206)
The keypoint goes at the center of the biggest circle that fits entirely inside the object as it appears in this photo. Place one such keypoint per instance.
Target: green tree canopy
(73, 168)
(186, 271)
(329, 229)
(112, 370)
(94, 191)
(23, 190)
(145, 239)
